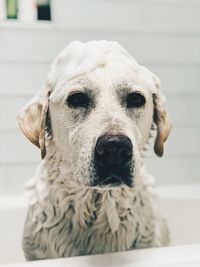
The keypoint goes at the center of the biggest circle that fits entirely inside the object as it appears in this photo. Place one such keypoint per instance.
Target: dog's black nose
(113, 150)
(113, 160)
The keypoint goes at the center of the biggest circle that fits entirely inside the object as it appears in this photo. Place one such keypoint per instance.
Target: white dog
(91, 120)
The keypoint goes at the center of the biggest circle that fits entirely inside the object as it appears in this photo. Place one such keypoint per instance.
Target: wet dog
(91, 120)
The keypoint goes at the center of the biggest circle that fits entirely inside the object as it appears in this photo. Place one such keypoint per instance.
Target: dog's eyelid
(83, 90)
(138, 92)
(75, 90)
(125, 90)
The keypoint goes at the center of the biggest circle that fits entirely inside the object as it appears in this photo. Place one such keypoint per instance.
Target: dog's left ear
(160, 118)
(32, 120)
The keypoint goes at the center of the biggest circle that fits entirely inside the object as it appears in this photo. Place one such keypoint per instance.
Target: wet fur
(67, 216)
(67, 219)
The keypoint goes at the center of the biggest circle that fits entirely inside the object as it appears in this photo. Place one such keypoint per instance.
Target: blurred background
(163, 35)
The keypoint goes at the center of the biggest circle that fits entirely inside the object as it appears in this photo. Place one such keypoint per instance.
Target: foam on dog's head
(80, 58)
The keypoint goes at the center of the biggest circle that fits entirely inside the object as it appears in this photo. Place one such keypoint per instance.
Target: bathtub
(180, 205)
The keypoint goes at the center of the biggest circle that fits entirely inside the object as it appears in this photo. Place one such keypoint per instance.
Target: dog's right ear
(32, 120)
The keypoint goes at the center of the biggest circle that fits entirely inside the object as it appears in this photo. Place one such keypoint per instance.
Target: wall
(163, 35)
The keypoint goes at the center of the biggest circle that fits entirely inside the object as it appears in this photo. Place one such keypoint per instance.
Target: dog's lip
(113, 181)
(114, 176)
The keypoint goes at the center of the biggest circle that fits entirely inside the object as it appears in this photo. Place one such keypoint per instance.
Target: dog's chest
(102, 223)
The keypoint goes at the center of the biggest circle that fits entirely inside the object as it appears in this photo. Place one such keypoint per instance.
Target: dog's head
(98, 105)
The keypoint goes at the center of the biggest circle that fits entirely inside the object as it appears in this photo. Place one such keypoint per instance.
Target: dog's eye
(135, 100)
(78, 100)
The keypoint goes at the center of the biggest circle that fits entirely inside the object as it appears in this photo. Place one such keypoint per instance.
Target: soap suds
(81, 58)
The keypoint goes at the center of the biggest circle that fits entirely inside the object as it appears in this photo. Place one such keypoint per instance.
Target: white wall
(164, 35)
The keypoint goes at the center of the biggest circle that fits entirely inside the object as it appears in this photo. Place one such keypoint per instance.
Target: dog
(91, 120)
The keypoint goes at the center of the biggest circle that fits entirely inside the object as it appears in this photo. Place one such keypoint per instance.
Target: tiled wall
(164, 35)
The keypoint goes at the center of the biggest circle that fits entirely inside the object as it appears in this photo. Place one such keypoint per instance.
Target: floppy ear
(32, 120)
(161, 119)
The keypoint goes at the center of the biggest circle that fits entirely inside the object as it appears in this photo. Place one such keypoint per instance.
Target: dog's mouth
(113, 181)
(114, 176)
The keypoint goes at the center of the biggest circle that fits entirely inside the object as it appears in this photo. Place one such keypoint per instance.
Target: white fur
(67, 216)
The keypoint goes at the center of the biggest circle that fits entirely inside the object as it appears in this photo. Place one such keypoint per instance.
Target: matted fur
(67, 216)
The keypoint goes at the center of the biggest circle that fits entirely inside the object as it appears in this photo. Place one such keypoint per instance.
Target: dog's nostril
(113, 149)
(126, 152)
(100, 149)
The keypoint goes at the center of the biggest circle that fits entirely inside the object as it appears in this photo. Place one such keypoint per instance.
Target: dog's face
(100, 118)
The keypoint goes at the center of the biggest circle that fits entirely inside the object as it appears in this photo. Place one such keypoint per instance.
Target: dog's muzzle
(113, 157)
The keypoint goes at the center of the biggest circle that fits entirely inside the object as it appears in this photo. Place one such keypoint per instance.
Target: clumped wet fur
(70, 211)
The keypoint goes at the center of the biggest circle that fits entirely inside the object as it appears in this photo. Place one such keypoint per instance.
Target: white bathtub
(180, 205)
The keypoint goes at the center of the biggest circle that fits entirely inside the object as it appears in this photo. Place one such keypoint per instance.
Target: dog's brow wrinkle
(86, 82)
(122, 83)
(123, 88)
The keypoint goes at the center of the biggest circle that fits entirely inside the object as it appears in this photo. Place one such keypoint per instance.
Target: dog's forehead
(97, 58)
(119, 74)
